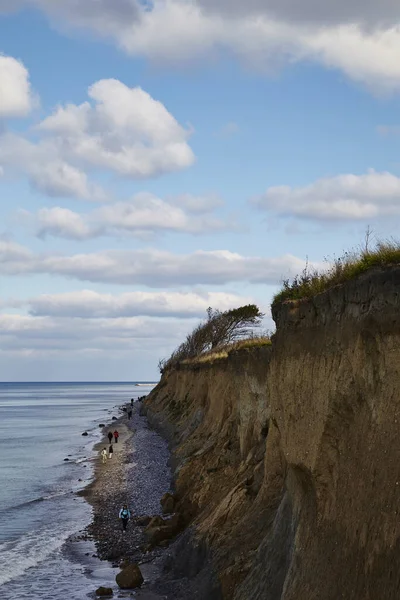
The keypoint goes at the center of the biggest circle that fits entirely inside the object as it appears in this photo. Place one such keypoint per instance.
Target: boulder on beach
(130, 577)
(167, 504)
(101, 425)
(104, 591)
(85, 433)
(114, 418)
(66, 459)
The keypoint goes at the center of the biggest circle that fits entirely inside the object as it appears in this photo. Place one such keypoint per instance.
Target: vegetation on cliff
(216, 333)
(225, 351)
(350, 265)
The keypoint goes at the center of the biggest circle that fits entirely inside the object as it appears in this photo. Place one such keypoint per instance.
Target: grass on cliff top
(225, 351)
(349, 266)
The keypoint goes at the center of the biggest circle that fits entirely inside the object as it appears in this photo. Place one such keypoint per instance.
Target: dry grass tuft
(225, 351)
(349, 266)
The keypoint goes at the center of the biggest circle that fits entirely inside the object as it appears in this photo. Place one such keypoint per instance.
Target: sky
(158, 157)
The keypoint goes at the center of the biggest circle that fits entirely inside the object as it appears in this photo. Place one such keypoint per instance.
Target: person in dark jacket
(116, 436)
(110, 435)
(131, 401)
(110, 451)
(124, 515)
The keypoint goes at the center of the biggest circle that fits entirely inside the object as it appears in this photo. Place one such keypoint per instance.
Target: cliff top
(225, 351)
(345, 268)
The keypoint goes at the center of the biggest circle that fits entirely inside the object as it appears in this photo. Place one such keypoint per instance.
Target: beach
(137, 475)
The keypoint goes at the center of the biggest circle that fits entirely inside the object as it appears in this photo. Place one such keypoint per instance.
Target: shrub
(219, 329)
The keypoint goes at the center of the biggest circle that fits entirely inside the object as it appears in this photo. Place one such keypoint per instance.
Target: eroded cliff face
(288, 459)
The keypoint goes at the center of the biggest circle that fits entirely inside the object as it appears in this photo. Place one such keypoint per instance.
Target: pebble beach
(137, 475)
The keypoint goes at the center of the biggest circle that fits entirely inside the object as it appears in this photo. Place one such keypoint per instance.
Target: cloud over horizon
(142, 216)
(344, 197)
(89, 304)
(150, 267)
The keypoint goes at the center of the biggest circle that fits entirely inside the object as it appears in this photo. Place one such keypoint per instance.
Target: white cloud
(16, 98)
(366, 13)
(31, 333)
(125, 131)
(147, 213)
(91, 304)
(151, 267)
(361, 39)
(106, 16)
(143, 215)
(368, 57)
(345, 197)
(62, 222)
(198, 204)
(121, 130)
(47, 170)
(14, 254)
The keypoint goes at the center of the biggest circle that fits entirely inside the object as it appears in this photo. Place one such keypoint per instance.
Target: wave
(78, 461)
(29, 551)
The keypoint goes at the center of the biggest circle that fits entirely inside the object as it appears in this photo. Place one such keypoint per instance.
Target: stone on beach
(130, 577)
(103, 591)
(85, 433)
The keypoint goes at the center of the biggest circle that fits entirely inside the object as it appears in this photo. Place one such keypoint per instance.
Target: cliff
(287, 459)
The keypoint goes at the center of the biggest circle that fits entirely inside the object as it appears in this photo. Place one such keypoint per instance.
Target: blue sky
(157, 161)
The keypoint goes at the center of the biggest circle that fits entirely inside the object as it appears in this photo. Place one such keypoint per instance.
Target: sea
(41, 425)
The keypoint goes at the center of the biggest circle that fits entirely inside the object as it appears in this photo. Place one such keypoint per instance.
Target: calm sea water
(41, 424)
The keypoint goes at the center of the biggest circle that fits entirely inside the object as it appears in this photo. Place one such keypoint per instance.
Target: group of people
(110, 449)
(124, 513)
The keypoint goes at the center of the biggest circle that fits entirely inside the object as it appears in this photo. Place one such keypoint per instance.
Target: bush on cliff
(310, 283)
(218, 330)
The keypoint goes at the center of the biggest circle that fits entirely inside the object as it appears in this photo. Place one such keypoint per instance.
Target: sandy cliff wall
(288, 459)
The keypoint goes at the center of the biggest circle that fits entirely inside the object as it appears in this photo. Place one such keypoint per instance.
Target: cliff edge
(287, 458)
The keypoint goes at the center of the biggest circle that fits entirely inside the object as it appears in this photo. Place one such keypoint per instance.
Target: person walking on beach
(104, 455)
(110, 451)
(124, 515)
(116, 436)
(129, 414)
(110, 436)
(131, 401)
